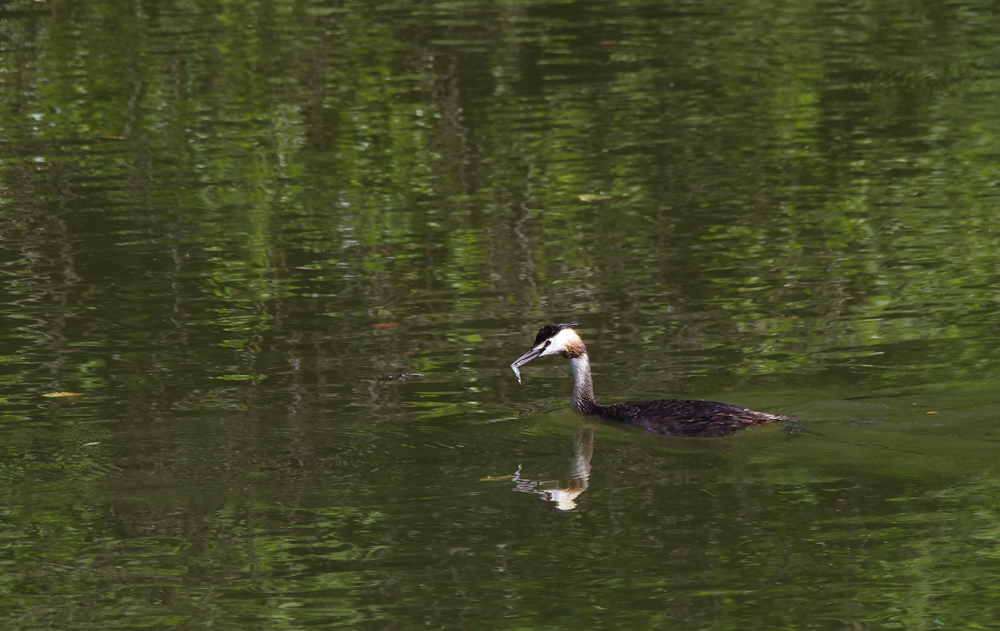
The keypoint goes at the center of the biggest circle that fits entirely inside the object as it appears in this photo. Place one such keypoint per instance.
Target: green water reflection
(207, 206)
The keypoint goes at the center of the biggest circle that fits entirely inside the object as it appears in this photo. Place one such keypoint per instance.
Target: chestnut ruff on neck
(676, 417)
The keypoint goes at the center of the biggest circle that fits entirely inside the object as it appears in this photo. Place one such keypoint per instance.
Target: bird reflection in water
(565, 491)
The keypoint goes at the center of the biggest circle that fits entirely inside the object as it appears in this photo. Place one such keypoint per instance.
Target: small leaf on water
(385, 325)
(496, 478)
(57, 395)
(593, 198)
(931, 412)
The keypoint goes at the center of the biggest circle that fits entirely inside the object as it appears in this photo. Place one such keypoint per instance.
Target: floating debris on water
(497, 478)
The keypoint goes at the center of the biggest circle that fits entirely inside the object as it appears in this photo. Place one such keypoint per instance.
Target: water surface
(222, 224)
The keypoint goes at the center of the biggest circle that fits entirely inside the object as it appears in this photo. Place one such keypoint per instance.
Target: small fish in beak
(524, 359)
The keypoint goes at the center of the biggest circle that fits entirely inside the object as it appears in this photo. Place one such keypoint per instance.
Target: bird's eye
(547, 342)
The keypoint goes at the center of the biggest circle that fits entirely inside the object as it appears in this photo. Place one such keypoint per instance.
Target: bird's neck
(583, 385)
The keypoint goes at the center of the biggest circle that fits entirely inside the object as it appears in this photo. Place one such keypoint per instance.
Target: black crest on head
(549, 330)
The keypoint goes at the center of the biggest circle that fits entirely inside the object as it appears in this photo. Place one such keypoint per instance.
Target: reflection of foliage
(401, 158)
(206, 206)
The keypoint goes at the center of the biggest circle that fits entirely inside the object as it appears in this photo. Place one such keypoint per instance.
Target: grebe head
(552, 339)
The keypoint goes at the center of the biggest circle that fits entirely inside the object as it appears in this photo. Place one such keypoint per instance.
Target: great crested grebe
(670, 416)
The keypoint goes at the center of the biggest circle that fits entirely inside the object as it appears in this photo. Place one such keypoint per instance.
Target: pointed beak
(524, 359)
(527, 357)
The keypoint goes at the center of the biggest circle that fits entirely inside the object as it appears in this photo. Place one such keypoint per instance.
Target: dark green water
(206, 209)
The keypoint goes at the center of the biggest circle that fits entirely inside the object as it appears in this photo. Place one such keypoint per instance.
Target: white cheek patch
(559, 342)
(563, 340)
